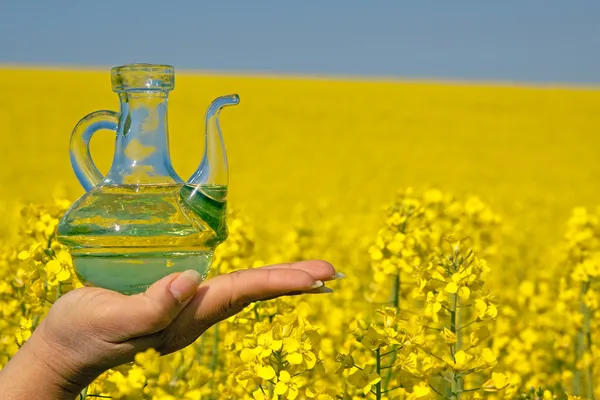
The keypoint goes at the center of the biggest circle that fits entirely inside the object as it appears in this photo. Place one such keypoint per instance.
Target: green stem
(256, 305)
(215, 349)
(435, 390)
(202, 351)
(459, 337)
(396, 303)
(280, 366)
(392, 389)
(456, 378)
(579, 346)
(215, 354)
(577, 376)
(587, 336)
(378, 385)
(396, 291)
(472, 390)
(467, 325)
(391, 351)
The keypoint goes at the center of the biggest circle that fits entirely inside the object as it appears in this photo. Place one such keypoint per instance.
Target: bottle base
(134, 273)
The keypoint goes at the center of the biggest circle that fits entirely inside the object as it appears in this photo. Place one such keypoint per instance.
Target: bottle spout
(205, 193)
(213, 170)
(219, 103)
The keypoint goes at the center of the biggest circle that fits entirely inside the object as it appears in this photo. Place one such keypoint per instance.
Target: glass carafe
(141, 221)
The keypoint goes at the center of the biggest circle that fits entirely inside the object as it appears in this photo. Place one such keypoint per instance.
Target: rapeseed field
(464, 217)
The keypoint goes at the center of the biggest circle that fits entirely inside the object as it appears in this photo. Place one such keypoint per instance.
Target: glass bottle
(141, 221)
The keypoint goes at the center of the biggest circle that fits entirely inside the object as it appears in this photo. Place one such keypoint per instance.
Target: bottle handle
(79, 148)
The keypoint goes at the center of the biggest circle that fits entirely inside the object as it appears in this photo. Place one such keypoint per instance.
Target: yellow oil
(124, 237)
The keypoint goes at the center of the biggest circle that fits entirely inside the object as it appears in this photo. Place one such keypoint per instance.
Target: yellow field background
(353, 143)
(314, 163)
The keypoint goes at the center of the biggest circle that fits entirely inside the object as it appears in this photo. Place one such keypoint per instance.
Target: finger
(319, 290)
(319, 269)
(225, 295)
(152, 311)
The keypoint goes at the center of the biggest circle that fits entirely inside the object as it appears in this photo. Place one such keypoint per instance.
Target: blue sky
(491, 40)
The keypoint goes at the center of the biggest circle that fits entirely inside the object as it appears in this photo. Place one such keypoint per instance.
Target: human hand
(90, 330)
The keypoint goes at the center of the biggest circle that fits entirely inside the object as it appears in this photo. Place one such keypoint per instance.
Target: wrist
(40, 370)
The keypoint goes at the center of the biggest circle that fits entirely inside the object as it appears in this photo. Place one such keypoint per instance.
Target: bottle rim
(142, 76)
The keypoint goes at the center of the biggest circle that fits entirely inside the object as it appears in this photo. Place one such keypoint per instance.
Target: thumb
(155, 309)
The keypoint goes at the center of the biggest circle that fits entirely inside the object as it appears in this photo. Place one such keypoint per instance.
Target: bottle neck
(142, 146)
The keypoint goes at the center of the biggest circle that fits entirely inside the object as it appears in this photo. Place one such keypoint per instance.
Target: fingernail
(317, 284)
(338, 275)
(185, 285)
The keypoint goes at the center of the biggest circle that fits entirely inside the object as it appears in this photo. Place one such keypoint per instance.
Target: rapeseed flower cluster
(427, 320)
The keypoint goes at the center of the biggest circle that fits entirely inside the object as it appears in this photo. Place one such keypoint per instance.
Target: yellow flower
(485, 310)
(592, 266)
(246, 373)
(259, 394)
(320, 392)
(163, 396)
(591, 299)
(149, 360)
(488, 356)
(480, 334)
(346, 360)
(376, 253)
(460, 362)
(34, 252)
(389, 314)
(421, 392)
(59, 269)
(372, 339)
(410, 363)
(288, 386)
(364, 379)
(299, 352)
(23, 333)
(433, 307)
(451, 287)
(266, 372)
(266, 344)
(130, 384)
(497, 382)
(464, 292)
(449, 336)
(579, 274)
(433, 196)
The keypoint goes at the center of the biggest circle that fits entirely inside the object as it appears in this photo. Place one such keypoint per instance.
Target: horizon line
(358, 78)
